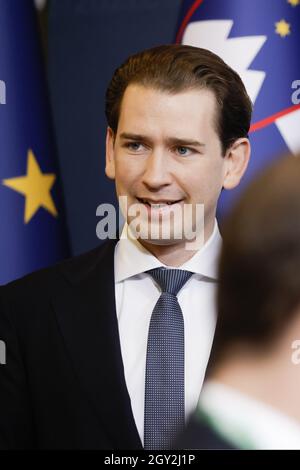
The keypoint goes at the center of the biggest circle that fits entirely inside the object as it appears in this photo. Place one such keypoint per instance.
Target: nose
(157, 172)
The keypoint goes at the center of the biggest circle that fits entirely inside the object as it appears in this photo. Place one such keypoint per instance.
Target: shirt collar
(245, 421)
(131, 258)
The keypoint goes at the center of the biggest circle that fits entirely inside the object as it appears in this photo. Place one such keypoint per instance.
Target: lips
(159, 204)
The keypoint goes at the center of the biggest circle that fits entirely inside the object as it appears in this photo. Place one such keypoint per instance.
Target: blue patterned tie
(164, 386)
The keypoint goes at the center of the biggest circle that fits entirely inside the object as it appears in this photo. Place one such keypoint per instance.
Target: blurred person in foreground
(250, 399)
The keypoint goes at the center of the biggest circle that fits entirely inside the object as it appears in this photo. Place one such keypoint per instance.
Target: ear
(110, 156)
(237, 159)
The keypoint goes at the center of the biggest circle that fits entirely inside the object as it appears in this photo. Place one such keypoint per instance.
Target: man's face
(166, 150)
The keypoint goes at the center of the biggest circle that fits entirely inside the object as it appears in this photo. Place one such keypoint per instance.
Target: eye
(135, 146)
(183, 151)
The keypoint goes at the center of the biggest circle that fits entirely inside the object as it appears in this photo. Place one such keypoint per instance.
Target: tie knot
(170, 280)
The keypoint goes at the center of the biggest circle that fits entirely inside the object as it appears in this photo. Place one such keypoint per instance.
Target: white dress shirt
(136, 296)
(246, 422)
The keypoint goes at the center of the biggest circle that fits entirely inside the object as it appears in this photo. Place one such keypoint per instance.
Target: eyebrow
(170, 140)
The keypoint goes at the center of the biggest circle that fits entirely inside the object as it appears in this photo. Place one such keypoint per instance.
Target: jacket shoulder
(43, 281)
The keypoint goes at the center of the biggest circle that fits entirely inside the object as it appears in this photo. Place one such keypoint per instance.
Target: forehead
(144, 109)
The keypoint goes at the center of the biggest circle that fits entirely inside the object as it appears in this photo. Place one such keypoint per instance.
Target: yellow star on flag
(294, 3)
(36, 187)
(283, 28)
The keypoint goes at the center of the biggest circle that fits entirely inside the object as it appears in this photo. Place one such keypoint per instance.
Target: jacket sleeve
(16, 428)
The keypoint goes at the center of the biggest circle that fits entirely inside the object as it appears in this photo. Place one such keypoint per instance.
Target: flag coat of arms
(260, 40)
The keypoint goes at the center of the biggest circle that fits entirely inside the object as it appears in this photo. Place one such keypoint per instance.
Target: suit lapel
(86, 313)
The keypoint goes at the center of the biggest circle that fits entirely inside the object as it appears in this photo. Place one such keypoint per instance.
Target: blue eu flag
(32, 233)
(260, 40)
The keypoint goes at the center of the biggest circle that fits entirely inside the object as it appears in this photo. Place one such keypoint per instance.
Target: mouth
(159, 204)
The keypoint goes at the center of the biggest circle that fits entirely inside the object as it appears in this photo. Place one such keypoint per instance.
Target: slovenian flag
(260, 40)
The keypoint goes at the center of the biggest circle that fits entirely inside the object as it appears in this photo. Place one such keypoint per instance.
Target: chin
(155, 236)
(161, 242)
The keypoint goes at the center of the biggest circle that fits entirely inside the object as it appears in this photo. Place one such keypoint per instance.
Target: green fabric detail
(231, 433)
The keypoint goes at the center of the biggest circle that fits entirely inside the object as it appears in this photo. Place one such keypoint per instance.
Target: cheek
(205, 182)
(126, 177)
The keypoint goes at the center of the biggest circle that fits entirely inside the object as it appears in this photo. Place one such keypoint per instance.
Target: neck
(177, 254)
(271, 378)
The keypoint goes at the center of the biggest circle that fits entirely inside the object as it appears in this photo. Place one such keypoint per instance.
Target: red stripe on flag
(269, 120)
(186, 19)
(259, 124)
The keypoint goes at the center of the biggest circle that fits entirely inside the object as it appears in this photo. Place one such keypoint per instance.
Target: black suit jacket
(63, 384)
(199, 435)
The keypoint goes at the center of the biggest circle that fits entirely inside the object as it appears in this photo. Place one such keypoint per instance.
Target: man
(93, 358)
(250, 399)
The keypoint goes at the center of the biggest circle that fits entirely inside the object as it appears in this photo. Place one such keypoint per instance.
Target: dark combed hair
(259, 270)
(176, 68)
